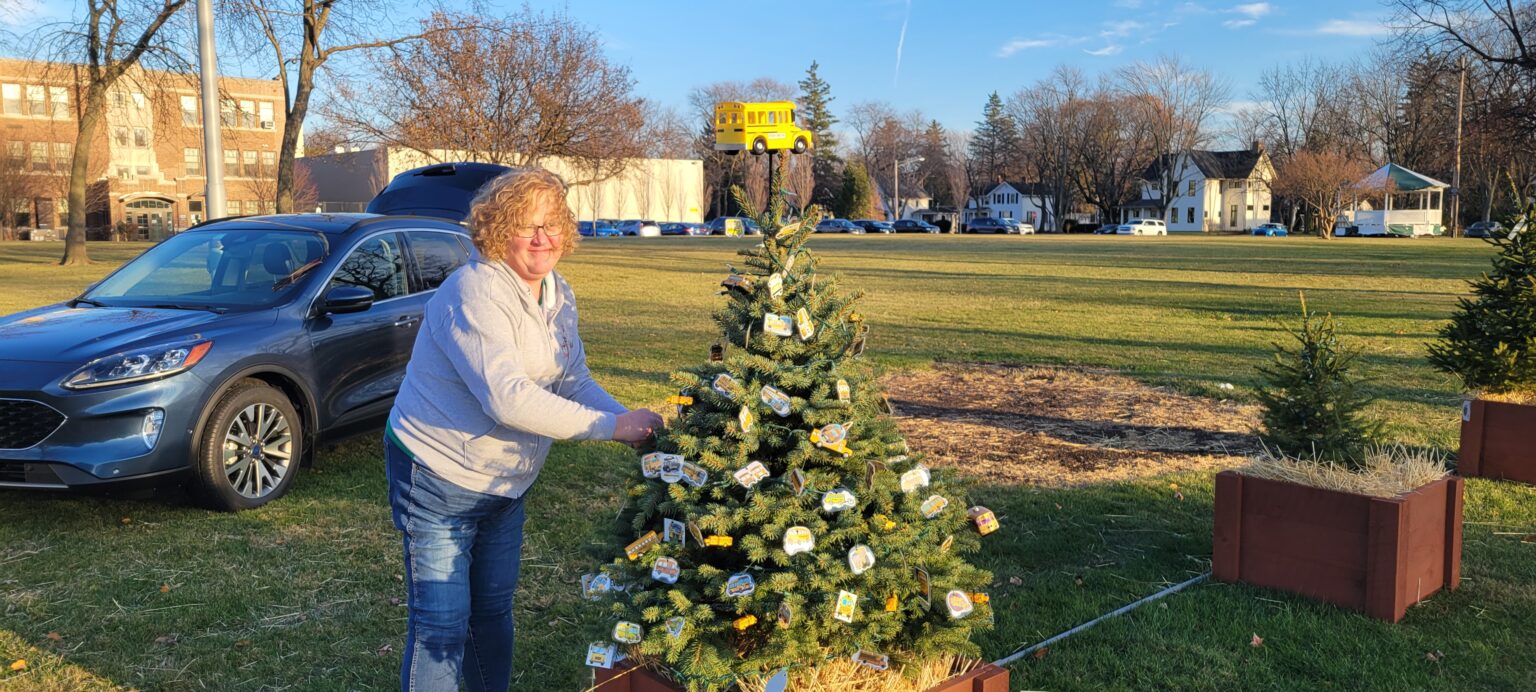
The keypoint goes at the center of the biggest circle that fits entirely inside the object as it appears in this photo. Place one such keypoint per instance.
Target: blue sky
(941, 56)
(955, 52)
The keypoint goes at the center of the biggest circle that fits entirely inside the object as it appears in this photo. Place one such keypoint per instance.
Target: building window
(1266, 207)
(189, 111)
(195, 206)
(119, 99)
(268, 164)
(17, 152)
(10, 99)
(1250, 207)
(1189, 215)
(138, 100)
(232, 207)
(124, 173)
(248, 159)
(268, 207)
(120, 134)
(61, 155)
(226, 112)
(141, 170)
(37, 100)
(267, 121)
(231, 163)
(193, 162)
(248, 114)
(252, 208)
(44, 212)
(39, 156)
(59, 97)
(1191, 188)
(140, 137)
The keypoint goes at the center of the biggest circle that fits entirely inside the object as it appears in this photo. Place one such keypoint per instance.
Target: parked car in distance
(874, 226)
(1107, 229)
(1271, 229)
(228, 352)
(684, 228)
(913, 226)
(1143, 227)
(597, 229)
(987, 224)
(638, 227)
(1022, 228)
(1484, 229)
(733, 225)
(838, 226)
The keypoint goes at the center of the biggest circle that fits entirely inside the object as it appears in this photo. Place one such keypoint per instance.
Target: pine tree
(789, 471)
(816, 115)
(934, 148)
(1313, 402)
(1491, 340)
(856, 199)
(995, 142)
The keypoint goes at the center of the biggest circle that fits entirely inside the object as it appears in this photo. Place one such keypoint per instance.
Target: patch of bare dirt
(1063, 426)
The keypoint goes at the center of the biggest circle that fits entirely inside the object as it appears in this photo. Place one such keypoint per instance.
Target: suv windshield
(214, 270)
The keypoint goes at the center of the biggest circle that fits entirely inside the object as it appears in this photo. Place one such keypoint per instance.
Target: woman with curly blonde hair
(498, 373)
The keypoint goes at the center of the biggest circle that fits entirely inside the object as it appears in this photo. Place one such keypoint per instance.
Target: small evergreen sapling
(796, 477)
(1312, 400)
(1491, 340)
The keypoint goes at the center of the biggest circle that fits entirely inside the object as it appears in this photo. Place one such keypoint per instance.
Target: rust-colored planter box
(628, 677)
(1371, 554)
(1498, 440)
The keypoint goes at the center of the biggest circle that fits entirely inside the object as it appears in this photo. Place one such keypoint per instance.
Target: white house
(1215, 191)
(1009, 200)
(1395, 201)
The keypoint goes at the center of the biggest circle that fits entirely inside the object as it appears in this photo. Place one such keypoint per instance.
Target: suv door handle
(407, 320)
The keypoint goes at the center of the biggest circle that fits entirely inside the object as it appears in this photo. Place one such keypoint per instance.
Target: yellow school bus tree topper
(759, 127)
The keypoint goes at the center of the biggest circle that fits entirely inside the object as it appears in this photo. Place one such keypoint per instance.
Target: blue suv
(224, 354)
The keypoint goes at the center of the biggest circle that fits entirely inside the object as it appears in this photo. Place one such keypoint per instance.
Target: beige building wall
(656, 189)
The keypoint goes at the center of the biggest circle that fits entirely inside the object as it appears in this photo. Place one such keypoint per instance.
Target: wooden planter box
(626, 676)
(1498, 440)
(1371, 554)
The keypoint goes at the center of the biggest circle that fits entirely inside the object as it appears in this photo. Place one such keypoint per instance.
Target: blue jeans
(461, 562)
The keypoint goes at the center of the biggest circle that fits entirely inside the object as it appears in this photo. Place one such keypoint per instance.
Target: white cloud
(1019, 44)
(1113, 49)
(1239, 23)
(1254, 9)
(20, 12)
(1352, 27)
(1121, 28)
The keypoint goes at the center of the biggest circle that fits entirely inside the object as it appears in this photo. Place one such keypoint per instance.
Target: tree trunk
(292, 126)
(79, 168)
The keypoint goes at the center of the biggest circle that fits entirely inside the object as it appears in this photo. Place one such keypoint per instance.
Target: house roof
(1397, 178)
(1214, 164)
(1023, 188)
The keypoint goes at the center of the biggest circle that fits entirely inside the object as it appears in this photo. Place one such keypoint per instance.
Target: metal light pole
(1461, 92)
(213, 146)
(896, 185)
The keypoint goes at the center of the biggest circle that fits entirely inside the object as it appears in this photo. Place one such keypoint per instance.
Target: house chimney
(1258, 146)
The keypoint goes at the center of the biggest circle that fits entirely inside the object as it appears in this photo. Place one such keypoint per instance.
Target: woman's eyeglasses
(525, 232)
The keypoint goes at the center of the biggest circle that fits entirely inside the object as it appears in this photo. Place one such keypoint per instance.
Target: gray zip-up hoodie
(494, 377)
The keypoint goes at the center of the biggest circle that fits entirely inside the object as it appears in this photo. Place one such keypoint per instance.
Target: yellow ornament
(892, 603)
(718, 541)
(743, 622)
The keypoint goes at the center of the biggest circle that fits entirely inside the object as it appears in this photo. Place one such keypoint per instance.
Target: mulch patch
(1024, 425)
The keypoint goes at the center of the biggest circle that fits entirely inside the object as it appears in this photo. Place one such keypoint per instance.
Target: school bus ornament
(759, 127)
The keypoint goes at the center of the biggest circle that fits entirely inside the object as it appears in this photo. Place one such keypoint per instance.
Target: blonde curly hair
(509, 199)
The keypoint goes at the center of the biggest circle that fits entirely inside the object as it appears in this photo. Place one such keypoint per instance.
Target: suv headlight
(138, 365)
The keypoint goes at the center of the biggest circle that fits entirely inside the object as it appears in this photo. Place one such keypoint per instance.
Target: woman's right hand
(635, 426)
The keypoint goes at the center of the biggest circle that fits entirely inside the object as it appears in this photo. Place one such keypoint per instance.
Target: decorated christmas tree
(782, 522)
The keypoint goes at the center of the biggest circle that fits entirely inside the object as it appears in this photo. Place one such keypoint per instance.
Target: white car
(648, 229)
(1026, 229)
(1143, 227)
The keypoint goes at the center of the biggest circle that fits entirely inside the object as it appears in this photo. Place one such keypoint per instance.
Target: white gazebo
(1396, 201)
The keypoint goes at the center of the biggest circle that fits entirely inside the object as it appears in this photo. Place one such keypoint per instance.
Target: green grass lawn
(304, 594)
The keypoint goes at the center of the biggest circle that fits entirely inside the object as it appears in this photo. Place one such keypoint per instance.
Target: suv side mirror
(344, 299)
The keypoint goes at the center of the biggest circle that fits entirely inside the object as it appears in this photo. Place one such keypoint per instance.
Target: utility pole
(1461, 93)
(213, 146)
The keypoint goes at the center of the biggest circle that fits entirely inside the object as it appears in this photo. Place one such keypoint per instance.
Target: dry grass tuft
(843, 675)
(1387, 471)
(1525, 398)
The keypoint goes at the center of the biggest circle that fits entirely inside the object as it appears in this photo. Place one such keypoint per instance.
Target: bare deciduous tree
(1318, 178)
(112, 37)
(1176, 102)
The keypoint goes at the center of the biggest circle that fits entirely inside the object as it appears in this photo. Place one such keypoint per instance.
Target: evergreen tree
(995, 142)
(1313, 402)
(1491, 340)
(816, 115)
(934, 149)
(783, 522)
(856, 199)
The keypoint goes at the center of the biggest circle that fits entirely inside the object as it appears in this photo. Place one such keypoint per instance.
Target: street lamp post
(213, 171)
(896, 185)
